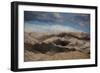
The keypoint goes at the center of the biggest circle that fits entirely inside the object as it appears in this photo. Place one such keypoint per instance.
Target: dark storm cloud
(57, 17)
(40, 16)
(75, 20)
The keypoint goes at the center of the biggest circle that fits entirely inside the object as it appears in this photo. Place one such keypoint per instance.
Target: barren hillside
(59, 46)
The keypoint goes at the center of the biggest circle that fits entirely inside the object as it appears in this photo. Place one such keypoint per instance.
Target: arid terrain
(59, 46)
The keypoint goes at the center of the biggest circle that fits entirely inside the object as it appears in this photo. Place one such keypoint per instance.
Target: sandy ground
(30, 56)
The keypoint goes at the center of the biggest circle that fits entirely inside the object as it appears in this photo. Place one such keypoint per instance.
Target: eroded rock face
(50, 47)
(58, 43)
(29, 39)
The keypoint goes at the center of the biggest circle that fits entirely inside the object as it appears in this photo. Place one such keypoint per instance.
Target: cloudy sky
(56, 22)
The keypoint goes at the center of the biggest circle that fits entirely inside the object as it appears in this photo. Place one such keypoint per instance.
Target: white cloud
(48, 28)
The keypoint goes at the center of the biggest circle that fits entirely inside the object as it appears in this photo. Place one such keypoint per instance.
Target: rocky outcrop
(77, 42)
(50, 47)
